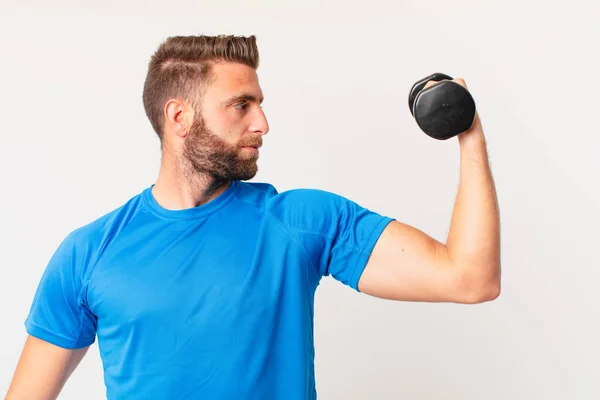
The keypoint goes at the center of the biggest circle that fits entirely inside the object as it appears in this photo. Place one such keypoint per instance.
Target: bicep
(407, 264)
(43, 370)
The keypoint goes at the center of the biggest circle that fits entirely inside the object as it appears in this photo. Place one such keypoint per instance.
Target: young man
(202, 286)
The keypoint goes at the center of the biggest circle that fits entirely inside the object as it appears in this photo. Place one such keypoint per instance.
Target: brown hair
(181, 68)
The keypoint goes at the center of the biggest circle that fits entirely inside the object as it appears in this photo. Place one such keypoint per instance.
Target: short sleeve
(338, 234)
(58, 313)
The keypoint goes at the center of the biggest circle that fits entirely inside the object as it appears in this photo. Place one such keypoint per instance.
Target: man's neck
(179, 187)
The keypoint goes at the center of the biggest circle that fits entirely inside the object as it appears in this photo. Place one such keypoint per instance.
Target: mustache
(252, 142)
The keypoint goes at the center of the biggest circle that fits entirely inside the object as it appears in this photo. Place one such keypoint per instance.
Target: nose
(260, 125)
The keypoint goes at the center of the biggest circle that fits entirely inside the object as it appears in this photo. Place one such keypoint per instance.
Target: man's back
(214, 301)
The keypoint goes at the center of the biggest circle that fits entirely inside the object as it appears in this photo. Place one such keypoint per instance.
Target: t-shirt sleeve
(337, 233)
(58, 313)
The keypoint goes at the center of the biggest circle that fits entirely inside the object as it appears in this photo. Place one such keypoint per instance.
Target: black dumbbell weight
(443, 110)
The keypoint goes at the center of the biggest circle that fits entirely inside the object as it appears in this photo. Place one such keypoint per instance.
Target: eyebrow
(244, 96)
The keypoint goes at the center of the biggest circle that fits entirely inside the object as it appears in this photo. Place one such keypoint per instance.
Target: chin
(245, 170)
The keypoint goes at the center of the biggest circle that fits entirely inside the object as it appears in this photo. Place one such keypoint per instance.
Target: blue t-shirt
(211, 302)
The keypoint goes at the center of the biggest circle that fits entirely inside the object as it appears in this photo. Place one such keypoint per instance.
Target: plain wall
(75, 144)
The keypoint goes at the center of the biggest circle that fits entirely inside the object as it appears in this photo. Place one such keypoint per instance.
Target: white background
(75, 144)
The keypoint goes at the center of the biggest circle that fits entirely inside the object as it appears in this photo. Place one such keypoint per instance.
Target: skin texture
(204, 149)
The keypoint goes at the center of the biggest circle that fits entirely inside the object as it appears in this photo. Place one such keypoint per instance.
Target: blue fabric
(212, 302)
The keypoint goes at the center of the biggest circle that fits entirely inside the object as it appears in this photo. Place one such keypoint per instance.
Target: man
(202, 286)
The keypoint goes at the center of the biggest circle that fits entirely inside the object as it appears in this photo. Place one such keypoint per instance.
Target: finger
(461, 82)
(433, 83)
(430, 84)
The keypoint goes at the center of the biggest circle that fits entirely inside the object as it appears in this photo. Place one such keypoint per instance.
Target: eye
(241, 106)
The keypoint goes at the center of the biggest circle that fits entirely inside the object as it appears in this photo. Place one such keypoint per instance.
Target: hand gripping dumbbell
(443, 110)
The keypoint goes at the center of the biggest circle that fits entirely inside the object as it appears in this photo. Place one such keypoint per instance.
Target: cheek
(215, 122)
(228, 127)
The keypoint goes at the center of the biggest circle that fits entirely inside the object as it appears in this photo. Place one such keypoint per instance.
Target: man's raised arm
(407, 264)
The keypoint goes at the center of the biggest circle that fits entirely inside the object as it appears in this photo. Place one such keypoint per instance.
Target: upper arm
(407, 264)
(60, 325)
(43, 369)
(336, 234)
(59, 312)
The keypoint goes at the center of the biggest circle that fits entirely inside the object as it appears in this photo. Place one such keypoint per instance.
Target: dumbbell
(443, 110)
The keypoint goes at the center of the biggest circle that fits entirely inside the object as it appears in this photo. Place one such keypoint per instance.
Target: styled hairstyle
(181, 68)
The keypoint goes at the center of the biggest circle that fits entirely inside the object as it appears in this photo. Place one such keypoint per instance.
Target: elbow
(477, 289)
(486, 293)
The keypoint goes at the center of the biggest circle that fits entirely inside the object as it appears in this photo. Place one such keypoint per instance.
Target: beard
(210, 155)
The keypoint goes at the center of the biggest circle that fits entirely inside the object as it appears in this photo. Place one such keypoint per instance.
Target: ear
(178, 117)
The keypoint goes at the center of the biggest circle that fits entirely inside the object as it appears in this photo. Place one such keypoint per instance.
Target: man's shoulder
(301, 198)
(299, 208)
(255, 191)
(107, 225)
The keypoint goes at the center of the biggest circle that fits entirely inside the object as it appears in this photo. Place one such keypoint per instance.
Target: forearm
(474, 238)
